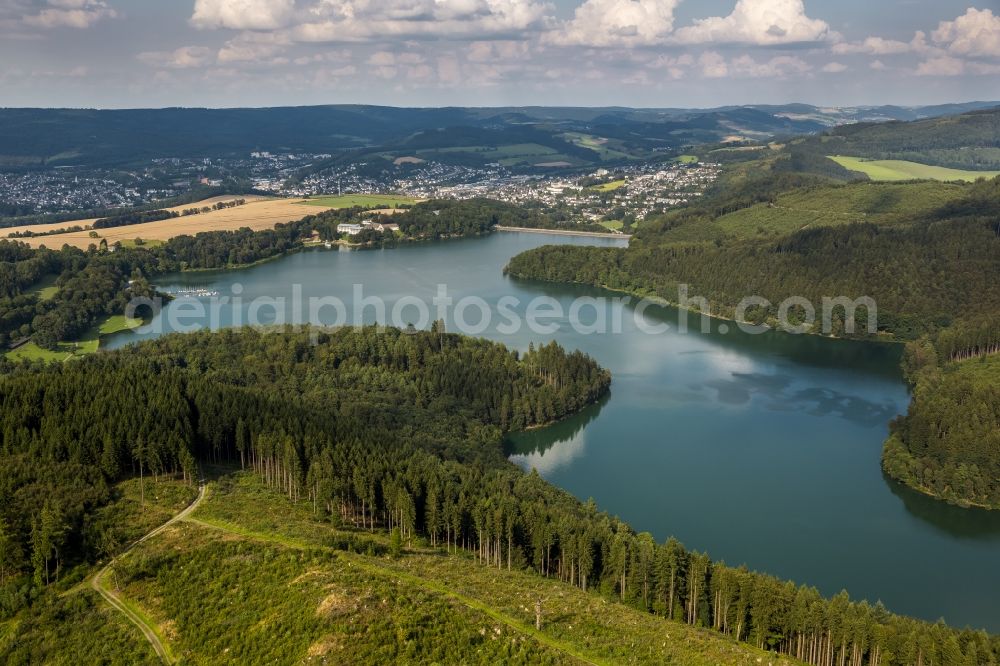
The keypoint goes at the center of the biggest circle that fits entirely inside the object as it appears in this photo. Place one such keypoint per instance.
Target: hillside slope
(374, 431)
(254, 577)
(967, 141)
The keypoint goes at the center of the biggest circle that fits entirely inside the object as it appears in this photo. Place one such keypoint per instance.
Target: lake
(759, 449)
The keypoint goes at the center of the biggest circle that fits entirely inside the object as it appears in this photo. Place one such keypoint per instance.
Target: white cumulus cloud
(371, 20)
(498, 51)
(758, 22)
(872, 46)
(941, 66)
(974, 34)
(834, 67)
(253, 47)
(618, 23)
(713, 65)
(185, 57)
(778, 67)
(78, 14)
(242, 14)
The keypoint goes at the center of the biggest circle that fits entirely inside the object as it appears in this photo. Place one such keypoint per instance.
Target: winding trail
(427, 585)
(135, 614)
(151, 630)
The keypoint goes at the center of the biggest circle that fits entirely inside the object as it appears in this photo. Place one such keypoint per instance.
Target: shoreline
(958, 504)
(564, 232)
(658, 300)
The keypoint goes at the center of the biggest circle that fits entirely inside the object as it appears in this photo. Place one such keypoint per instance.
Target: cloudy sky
(679, 53)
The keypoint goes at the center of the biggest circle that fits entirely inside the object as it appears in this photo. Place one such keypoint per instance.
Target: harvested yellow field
(42, 228)
(257, 214)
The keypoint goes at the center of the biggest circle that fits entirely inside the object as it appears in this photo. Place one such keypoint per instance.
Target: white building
(349, 229)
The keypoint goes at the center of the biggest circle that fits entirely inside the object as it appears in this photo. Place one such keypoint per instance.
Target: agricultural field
(894, 170)
(42, 228)
(881, 203)
(360, 201)
(257, 214)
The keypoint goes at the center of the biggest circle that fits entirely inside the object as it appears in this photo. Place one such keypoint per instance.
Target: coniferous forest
(389, 430)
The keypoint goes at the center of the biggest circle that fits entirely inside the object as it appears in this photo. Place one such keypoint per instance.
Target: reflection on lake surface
(548, 449)
(759, 449)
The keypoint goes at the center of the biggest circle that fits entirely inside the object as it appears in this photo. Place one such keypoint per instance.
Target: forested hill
(966, 141)
(298, 404)
(381, 429)
(926, 268)
(43, 138)
(948, 443)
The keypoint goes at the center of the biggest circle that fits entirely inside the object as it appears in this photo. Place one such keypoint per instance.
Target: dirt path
(428, 585)
(135, 614)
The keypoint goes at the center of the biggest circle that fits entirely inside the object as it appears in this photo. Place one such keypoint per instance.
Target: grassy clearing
(240, 500)
(981, 370)
(686, 159)
(270, 561)
(76, 629)
(607, 149)
(64, 351)
(154, 242)
(895, 170)
(361, 201)
(117, 324)
(88, 343)
(881, 203)
(610, 186)
(45, 288)
(136, 510)
(223, 598)
(613, 225)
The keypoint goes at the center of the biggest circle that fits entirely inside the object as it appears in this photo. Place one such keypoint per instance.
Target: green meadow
(610, 186)
(833, 205)
(891, 170)
(45, 288)
(88, 343)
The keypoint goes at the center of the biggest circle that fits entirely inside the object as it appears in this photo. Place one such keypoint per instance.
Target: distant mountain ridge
(42, 138)
(969, 140)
